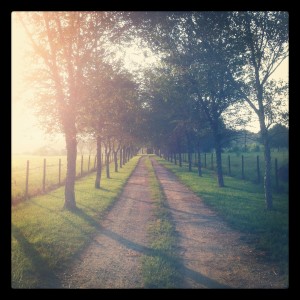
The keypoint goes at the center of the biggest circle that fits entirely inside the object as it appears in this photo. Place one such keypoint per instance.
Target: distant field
(250, 164)
(35, 180)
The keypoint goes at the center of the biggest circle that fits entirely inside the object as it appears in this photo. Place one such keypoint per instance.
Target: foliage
(279, 136)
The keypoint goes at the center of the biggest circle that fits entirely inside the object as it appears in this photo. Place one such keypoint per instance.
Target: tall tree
(62, 44)
(110, 102)
(263, 36)
(200, 39)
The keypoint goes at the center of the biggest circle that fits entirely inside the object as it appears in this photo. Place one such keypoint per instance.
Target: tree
(110, 101)
(203, 39)
(62, 44)
(263, 36)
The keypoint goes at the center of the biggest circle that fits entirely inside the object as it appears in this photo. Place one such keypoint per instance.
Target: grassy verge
(45, 238)
(35, 179)
(250, 166)
(241, 204)
(160, 269)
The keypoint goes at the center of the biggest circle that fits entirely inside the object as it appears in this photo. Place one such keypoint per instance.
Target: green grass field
(241, 204)
(36, 163)
(250, 165)
(46, 238)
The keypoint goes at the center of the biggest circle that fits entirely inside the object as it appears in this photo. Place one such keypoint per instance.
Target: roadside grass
(36, 165)
(241, 204)
(46, 238)
(160, 268)
(250, 165)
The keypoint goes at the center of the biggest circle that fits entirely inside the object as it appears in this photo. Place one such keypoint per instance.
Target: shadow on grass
(82, 214)
(46, 277)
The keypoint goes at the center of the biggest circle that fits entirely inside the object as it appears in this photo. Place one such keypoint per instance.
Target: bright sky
(26, 135)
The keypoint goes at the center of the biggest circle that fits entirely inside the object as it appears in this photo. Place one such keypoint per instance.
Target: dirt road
(211, 254)
(112, 260)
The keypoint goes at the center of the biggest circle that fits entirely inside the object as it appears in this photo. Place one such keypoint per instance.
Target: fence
(40, 175)
(247, 166)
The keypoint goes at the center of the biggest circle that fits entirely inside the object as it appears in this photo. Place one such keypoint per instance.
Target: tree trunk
(107, 153)
(121, 157)
(180, 159)
(128, 153)
(189, 149)
(71, 145)
(116, 160)
(219, 162)
(267, 157)
(199, 162)
(124, 155)
(179, 152)
(99, 164)
(190, 161)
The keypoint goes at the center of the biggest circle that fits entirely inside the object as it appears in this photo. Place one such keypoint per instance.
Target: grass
(160, 269)
(36, 163)
(250, 169)
(46, 238)
(241, 204)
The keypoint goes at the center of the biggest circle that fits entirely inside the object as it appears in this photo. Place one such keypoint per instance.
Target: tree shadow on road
(199, 278)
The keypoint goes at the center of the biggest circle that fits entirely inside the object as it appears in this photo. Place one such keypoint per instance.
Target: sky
(26, 134)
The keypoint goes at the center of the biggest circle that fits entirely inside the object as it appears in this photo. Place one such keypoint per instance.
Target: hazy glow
(26, 135)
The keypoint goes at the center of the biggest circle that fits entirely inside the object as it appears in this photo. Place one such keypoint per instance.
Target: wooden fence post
(258, 169)
(89, 163)
(243, 173)
(59, 170)
(276, 175)
(212, 161)
(27, 177)
(95, 162)
(81, 166)
(204, 160)
(229, 166)
(44, 176)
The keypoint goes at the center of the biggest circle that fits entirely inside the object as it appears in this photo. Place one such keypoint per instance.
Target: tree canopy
(205, 67)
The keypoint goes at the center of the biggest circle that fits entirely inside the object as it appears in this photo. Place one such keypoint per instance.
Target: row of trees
(216, 73)
(80, 90)
(208, 66)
